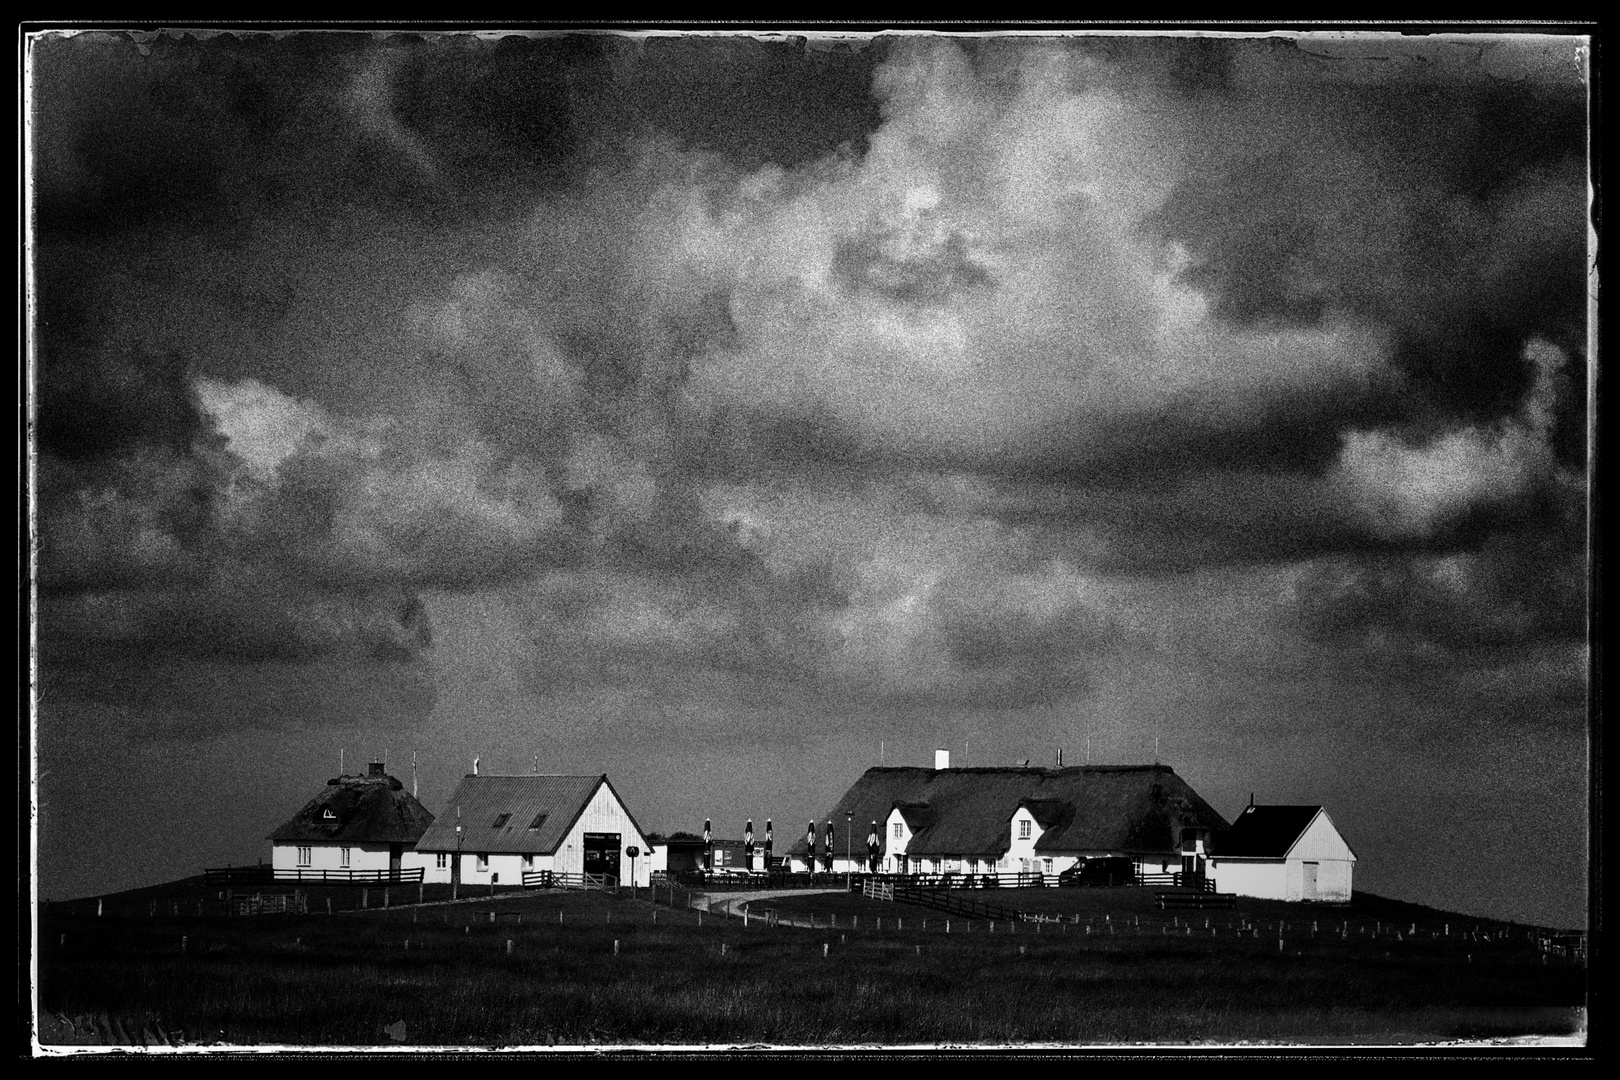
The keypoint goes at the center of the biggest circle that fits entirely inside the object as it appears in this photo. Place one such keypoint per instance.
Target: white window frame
(306, 856)
(899, 830)
(442, 861)
(1047, 863)
(1024, 828)
(343, 857)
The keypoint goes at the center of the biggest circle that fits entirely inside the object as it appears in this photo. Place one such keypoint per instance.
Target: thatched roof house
(977, 814)
(373, 808)
(364, 823)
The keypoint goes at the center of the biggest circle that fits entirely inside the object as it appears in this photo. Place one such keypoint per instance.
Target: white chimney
(942, 759)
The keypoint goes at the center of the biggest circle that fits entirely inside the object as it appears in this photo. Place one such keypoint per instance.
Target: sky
(732, 414)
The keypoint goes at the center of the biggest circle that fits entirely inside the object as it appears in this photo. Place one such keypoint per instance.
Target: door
(1308, 892)
(395, 853)
(602, 853)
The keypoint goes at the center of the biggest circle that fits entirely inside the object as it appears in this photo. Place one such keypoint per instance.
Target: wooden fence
(558, 879)
(233, 876)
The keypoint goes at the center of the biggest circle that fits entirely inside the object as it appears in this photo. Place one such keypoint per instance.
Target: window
(539, 820)
(304, 858)
(343, 858)
(899, 830)
(1023, 829)
(483, 862)
(441, 861)
(1047, 863)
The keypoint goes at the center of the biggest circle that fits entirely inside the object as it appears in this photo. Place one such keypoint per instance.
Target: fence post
(329, 905)
(365, 896)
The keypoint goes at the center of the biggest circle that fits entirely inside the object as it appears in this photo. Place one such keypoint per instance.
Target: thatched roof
(527, 815)
(374, 809)
(1090, 809)
(1267, 832)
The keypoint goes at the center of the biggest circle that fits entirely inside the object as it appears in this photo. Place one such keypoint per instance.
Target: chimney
(376, 769)
(942, 759)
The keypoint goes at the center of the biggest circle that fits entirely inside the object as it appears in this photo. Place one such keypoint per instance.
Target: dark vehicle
(1104, 872)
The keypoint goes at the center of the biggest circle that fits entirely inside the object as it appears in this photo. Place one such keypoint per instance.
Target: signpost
(632, 851)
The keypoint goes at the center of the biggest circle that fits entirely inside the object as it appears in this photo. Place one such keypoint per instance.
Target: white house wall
(1265, 879)
(605, 814)
(1321, 842)
(1279, 879)
(328, 855)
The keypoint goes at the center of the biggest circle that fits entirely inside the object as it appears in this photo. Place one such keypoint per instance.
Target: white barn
(1284, 853)
(359, 825)
(497, 828)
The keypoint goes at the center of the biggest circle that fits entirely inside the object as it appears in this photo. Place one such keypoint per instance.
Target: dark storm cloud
(1520, 587)
(559, 307)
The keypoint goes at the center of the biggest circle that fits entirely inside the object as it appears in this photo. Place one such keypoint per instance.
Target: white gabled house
(359, 825)
(1284, 853)
(497, 828)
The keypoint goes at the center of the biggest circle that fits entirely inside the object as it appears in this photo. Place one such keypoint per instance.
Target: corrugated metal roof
(1094, 808)
(1266, 832)
(483, 799)
(360, 809)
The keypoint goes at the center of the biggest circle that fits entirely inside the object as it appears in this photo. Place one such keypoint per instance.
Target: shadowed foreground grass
(344, 980)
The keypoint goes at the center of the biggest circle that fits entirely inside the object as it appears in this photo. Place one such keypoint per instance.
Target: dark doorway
(395, 853)
(602, 853)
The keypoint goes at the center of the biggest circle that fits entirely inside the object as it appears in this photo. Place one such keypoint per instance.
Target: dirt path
(734, 903)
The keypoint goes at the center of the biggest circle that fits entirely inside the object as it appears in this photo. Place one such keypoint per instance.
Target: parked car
(1103, 872)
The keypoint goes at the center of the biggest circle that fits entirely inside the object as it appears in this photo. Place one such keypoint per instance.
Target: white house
(496, 828)
(1284, 853)
(981, 821)
(359, 824)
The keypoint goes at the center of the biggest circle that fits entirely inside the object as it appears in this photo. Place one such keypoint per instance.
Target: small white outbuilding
(1284, 853)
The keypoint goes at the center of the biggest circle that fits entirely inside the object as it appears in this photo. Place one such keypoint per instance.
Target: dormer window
(501, 819)
(899, 831)
(1023, 828)
(539, 820)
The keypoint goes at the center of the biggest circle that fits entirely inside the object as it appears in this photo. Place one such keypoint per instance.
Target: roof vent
(942, 759)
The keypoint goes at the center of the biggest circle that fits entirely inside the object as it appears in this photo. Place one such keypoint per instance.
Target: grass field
(591, 969)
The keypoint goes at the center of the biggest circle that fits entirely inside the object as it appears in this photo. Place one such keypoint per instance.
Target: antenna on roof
(340, 761)
(413, 772)
(1060, 757)
(475, 765)
(880, 751)
(1155, 749)
(1088, 749)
